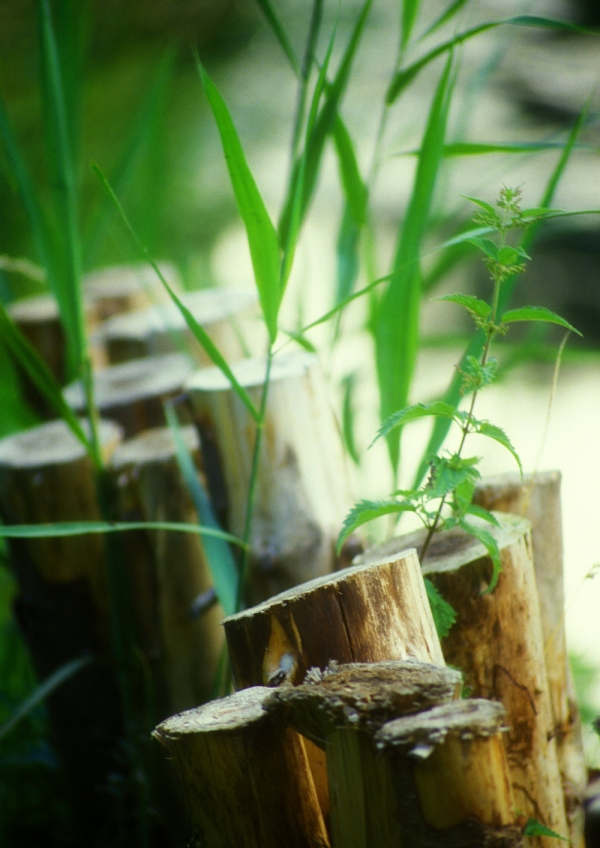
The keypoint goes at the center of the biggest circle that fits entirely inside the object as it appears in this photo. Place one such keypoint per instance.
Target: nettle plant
(444, 499)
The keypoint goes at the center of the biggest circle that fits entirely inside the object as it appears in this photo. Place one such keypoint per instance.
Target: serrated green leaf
(449, 472)
(444, 615)
(487, 207)
(474, 304)
(484, 514)
(491, 546)
(511, 256)
(487, 246)
(414, 413)
(484, 428)
(366, 511)
(537, 313)
(536, 828)
(261, 234)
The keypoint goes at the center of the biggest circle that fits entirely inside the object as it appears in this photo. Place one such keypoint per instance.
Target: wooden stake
(446, 780)
(124, 288)
(133, 393)
(302, 493)
(537, 498)
(497, 643)
(246, 779)
(162, 328)
(169, 571)
(62, 606)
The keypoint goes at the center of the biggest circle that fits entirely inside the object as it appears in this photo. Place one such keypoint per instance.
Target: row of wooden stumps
(388, 754)
(63, 601)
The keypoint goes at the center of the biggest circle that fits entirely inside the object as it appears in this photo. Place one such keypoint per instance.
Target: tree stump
(303, 491)
(246, 778)
(445, 780)
(168, 571)
(340, 710)
(133, 393)
(361, 614)
(124, 288)
(62, 606)
(162, 329)
(537, 498)
(497, 642)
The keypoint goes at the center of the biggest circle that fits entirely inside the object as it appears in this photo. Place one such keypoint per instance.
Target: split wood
(497, 642)
(245, 777)
(537, 498)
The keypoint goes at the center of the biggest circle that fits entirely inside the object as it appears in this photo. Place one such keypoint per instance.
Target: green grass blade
(475, 346)
(348, 418)
(406, 75)
(474, 148)
(43, 691)
(355, 190)
(450, 12)
(197, 330)
(66, 279)
(277, 27)
(410, 9)
(324, 124)
(220, 561)
(16, 414)
(39, 373)
(262, 238)
(397, 315)
(93, 528)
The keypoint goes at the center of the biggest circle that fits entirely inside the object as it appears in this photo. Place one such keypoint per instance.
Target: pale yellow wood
(124, 288)
(303, 492)
(246, 779)
(537, 498)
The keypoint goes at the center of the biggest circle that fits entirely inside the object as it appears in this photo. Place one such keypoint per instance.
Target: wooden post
(168, 571)
(537, 498)
(162, 329)
(302, 493)
(446, 780)
(62, 606)
(133, 393)
(497, 643)
(340, 710)
(246, 779)
(361, 614)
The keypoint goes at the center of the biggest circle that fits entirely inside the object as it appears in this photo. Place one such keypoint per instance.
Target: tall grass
(316, 126)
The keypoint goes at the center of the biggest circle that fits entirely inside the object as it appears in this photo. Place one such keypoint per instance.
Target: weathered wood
(360, 614)
(162, 328)
(133, 393)
(497, 642)
(246, 779)
(302, 493)
(62, 605)
(339, 710)
(168, 571)
(445, 780)
(362, 695)
(537, 498)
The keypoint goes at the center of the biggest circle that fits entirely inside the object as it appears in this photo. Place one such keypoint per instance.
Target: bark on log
(46, 476)
(133, 393)
(537, 498)
(445, 780)
(497, 642)
(246, 779)
(168, 571)
(162, 329)
(303, 491)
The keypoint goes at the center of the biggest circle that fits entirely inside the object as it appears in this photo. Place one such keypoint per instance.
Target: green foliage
(443, 614)
(536, 828)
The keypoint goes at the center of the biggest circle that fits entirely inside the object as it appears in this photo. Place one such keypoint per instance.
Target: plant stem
(253, 483)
